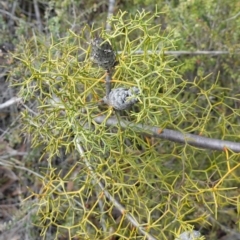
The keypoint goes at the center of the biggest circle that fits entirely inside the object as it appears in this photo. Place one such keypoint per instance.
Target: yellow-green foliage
(168, 187)
(206, 25)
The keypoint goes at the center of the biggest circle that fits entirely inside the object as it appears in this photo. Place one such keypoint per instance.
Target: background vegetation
(72, 167)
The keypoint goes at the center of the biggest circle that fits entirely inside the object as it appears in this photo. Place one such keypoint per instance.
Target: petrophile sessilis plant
(146, 162)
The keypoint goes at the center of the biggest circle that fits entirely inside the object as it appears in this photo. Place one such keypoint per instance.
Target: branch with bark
(173, 135)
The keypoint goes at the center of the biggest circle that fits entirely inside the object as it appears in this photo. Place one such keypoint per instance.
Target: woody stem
(108, 83)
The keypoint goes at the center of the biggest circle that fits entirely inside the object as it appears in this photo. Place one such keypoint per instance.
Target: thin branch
(10, 102)
(172, 135)
(38, 16)
(10, 15)
(11, 20)
(4, 73)
(30, 171)
(95, 182)
(213, 220)
(110, 197)
(233, 17)
(29, 109)
(111, 4)
(108, 83)
(178, 53)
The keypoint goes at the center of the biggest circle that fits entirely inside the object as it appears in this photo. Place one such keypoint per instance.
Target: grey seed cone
(102, 53)
(122, 98)
(189, 235)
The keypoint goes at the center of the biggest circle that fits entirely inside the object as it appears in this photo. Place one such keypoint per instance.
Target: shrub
(124, 181)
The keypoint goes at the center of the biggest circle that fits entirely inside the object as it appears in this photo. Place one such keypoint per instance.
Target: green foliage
(166, 186)
(206, 25)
